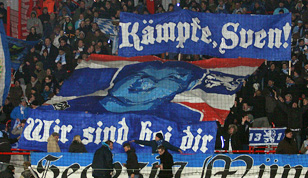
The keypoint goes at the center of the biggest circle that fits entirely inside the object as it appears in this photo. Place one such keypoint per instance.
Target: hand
(18, 120)
(180, 151)
(131, 141)
(305, 102)
(280, 99)
(124, 164)
(240, 99)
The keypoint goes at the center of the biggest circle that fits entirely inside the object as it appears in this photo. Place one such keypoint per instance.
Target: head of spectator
(33, 78)
(288, 133)
(281, 11)
(77, 139)
(67, 18)
(272, 66)
(161, 150)
(26, 165)
(56, 135)
(94, 27)
(33, 90)
(232, 129)
(33, 14)
(124, 8)
(23, 123)
(246, 107)
(98, 49)
(159, 136)
(52, 16)
(33, 30)
(109, 143)
(306, 66)
(288, 98)
(281, 4)
(39, 66)
(170, 7)
(82, 5)
(70, 26)
(47, 41)
(59, 65)
(10, 169)
(61, 51)
(1, 5)
(300, 23)
(126, 147)
(82, 35)
(49, 72)
(87, 22)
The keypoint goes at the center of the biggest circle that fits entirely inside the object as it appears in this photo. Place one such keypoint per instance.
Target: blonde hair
(77, 138)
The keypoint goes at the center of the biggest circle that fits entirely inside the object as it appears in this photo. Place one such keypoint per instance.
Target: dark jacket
(102, 162)
(77, 147)
(167, 160)
(132, 163)
(235, 142)
(5, 146)
(7, 174)
(295, 119)
(287, 146)
(154, 145)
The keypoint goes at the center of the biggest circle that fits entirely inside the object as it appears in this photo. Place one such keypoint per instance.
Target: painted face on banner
(147, 87)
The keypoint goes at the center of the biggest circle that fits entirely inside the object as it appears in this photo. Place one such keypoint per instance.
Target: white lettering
(274, 34)
(245, 43)
(259, 36)
(122, 132)
(229, 35)
(187, 140)
(183, 33)
(126, 34)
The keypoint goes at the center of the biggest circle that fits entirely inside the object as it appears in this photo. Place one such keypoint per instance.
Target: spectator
(8, 172)
(60, 73)
(231, 139)
(35, 22)
(159, 140)
(15, 93)
(77, 146)
(39, 71)
(287, 145)
(19, 128)
(257, 9)
(221, 8)
(52, 50)
(19, 113)
(246, 123)
(80, 10)
(6, 110)
(3, 13)
(52, 143)
(281, 7)
(33, 36)
(166, 163)
(27, 173)
(103, 168)
(47, 93)
(5, 147)
(304, 147)
(131, 164)
(34, 83)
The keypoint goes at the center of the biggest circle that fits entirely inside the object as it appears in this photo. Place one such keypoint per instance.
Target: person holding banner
(159, 141)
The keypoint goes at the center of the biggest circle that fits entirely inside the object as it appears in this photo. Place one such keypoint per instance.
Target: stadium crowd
(271, 97)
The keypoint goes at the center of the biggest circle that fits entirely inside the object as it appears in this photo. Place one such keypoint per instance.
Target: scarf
(61, 58)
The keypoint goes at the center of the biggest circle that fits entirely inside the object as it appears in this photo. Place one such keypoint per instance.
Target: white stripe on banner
(240, 70)
(219, 101)
(99, 64)
(2, 70)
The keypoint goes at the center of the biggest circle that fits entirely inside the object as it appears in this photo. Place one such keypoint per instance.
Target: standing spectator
(19, 128)
(60, 73)
(77, 146)
(35, 22)
(221, 8)
(132, 161)
(6, 110)
(8, 172)
(39, 71)
(159, 140)
(288, 144)
(3, 13)
(15, 93)
(244, 131)
(231, 139)
(281, 7)
(166, 163)
(19, 113)
(5, 147)
(80, 10)
(257, 9)
(102, 161)
(52, 143)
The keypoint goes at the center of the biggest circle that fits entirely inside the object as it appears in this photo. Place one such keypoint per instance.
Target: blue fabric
(18, 54)
(5, 64)
(205, 33)
(265, 136)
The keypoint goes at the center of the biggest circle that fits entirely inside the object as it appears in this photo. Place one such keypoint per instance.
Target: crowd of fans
(271, 97)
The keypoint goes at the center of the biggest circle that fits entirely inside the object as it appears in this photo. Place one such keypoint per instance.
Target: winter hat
(70, 25)
(160, 136)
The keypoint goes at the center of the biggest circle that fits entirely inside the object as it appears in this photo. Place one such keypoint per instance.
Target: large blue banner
(265, 136)
(185, 166)
(221, 35)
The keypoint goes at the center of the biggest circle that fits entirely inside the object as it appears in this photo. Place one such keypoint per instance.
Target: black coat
(7, 174)
(287, 146)
(77, 147)
(132, 163)
(167, 160)
(154, 145)
(102, 162)
(5, 147)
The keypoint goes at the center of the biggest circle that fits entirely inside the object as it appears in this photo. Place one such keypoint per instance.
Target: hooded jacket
(102, 162)
(35, 22)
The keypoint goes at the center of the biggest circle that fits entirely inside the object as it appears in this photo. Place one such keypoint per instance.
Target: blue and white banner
(5, 65)
(185, 166)
(220, 35)
(122, 99)
(265, 136)
(18, 50)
